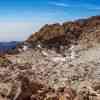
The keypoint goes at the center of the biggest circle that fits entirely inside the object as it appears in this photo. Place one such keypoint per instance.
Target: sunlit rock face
(68, 33)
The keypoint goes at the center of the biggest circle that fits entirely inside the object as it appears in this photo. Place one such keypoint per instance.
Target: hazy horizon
(19, 18)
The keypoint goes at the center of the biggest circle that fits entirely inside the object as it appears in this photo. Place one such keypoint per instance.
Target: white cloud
(88, 6)
(84, 5)
(59, 4)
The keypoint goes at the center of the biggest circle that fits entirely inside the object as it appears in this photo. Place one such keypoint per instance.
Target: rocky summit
(59, 62)
(68, 33)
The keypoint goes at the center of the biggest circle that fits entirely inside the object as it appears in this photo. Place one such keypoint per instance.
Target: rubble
(41, 66)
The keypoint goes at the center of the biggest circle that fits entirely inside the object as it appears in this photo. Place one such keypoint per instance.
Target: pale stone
(5, 88)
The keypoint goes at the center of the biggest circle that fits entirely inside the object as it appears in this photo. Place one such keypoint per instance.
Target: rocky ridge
(67, 33)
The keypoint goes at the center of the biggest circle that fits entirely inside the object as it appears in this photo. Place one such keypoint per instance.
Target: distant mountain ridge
(5, 47)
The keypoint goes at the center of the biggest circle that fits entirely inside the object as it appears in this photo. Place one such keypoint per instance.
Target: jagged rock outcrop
(67, 33)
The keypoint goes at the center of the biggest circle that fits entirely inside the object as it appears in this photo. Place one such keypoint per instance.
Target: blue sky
(19, 18)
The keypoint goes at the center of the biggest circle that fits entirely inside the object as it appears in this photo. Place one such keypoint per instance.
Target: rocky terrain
(67, 33)
(63, 63)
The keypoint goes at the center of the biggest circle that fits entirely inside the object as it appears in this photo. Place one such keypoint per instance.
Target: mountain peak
(67, 33)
